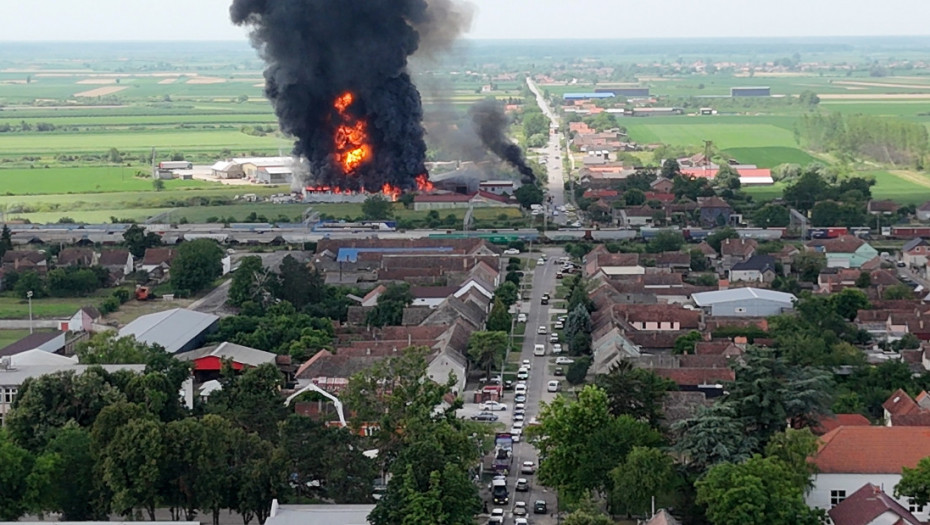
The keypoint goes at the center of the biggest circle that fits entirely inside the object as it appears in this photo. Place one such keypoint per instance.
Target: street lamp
(29, 296)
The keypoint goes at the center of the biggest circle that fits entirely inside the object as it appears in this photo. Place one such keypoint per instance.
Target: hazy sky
(209, 20)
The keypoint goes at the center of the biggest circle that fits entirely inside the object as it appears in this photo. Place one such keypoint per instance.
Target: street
(556, 184)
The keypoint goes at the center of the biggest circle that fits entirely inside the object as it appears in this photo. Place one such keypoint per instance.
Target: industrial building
(586, 96)
(630, 92)
(751, 91)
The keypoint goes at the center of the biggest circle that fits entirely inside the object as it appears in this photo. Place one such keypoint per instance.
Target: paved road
(540, 374)
(556, 184)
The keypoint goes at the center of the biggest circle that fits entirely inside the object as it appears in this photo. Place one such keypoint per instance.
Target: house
(733, 251)
(829, 423)
(662, 185)
(208, 361)
(914, 253)
(850, 457)
(633, 216)
(900, 409)
(713, 211)
(225, 169)
(431, 296)
(77, 257)
(744, 302)
(846, 251)
(923, 212)
(601, 260)
(157, 258)
(176, 330)
(673, 260)
(83, 320)
(758, 268)
(662, 518)
(46, 341)
(871, 506)
(13, 376)
(498, 187)
(21, 261)
(118, 262)
(323, 514)
(882, 207)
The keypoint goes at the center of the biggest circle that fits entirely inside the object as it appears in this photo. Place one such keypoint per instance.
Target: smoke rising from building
(491, 125)
(338, 80)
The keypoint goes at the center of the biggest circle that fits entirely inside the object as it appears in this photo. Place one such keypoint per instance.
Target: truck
(503, 453)
(175, 165)
(827, 233)
(499, 493)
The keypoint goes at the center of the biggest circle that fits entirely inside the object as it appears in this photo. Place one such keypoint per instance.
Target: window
(913, 507)
(837, 496)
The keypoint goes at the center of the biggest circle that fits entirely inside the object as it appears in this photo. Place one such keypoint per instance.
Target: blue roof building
(586, 96)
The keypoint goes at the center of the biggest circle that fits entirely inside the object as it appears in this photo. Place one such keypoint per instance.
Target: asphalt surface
(556, 183)
(540, 374)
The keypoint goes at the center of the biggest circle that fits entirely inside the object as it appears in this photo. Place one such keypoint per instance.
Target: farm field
(84, 180)
(906, 187)
(46, 308)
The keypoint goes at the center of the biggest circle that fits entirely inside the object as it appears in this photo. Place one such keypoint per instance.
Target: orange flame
(391, 192)
(351, 137)
(423, 183)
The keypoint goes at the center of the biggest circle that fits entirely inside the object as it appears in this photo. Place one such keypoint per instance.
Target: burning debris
(491, 125)
(337, 78)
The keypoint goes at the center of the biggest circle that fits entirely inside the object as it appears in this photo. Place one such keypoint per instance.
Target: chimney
(368, 351)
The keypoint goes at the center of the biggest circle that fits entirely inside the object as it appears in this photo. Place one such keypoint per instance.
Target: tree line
(878, 138)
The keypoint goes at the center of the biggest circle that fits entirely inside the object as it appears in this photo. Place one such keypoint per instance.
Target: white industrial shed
(177, 330)
(744, 302)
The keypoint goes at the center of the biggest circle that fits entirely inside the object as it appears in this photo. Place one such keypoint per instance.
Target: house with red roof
(900, 409)
(870, 505)
(850, 457)
(829, 423)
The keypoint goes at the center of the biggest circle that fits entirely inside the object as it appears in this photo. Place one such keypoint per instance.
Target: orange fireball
(351, 138)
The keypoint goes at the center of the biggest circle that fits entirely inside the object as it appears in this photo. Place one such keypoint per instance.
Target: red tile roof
(738, 247)
(841, 244)
(696, 376)
(900, 403)
(828, 423)
(872, 449)
(866, 504)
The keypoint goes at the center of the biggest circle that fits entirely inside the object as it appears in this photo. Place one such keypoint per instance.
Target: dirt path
(912, 177)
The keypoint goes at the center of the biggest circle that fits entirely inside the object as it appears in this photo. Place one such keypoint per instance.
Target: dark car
(484, 416)
(559, 371)
(540, 507)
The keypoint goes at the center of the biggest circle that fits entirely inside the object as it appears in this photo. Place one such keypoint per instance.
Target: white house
(915, 252)
(431, 296)
(850, 457)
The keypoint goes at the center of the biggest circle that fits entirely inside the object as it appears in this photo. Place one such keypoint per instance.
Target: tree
(507, 292)
(72, 488)
(897, 291)
(585, 517)
(771, 216)
(578, 370)
(760, 491)
(793, 448)
(808, 265)
(807, 190)
(578, 322)
(915, 483)
(131, 466)
(582, 442)
(391, 303)
(634, 197)
(665, 241)
(727, 178)
(499, 320)
(6, 240)
(158, 185)
(716, 238)
(30, 282)
(250, 400)
(635, 392)
(15, 466)
(714, 436)
(138, 240)
(864, 280)
(848, 302)
(249, 282)
(670, 169)
(486, 350)
(376, 207)
(685, 343)
(646, 473)
(579, 296)
(197, 264)
(299, 285)
(529, 194)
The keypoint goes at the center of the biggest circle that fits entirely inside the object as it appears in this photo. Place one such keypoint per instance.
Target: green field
(725, 134)
(115, 178)
(771, 157)
(186, 141)
(48, 308)
(903, 187)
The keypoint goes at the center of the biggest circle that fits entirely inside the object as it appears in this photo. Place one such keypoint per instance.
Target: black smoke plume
(317, 50)
(491, 126)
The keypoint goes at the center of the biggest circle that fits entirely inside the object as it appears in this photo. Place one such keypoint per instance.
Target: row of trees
(878, 138)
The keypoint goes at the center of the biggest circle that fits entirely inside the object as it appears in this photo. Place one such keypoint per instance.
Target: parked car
(558, 275)
(520, 388)
(519, 406)
(523, 374)
(522, 485)
(558, 325)
(520, 521)
(511, 251)
(528, 467)
(485, 416)
(521, 318)
(564, 360)
(553, 337)
(539, 507)
(554, 385)
(559, 371)
(519, 398)
(497, 516)
(542, 330)
(493, 406)
(525, 364)
(541, 261)
(518, 417)
(556, 348)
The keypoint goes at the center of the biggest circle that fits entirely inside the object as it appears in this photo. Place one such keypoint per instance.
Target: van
(521, 318)
(520, 389)
(539, 350)
(554, 386)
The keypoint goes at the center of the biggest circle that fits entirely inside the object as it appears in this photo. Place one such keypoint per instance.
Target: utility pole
(29, 297)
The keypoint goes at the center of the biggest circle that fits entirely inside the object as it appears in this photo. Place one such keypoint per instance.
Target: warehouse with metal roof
(177, 330)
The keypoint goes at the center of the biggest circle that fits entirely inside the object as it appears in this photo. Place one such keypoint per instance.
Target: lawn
(84, 180)
(47, 308)
(771, 156)
(136, 141)
(723, 133)
(906, 187)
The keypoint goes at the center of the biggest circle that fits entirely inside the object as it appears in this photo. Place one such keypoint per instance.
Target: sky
(103, 20)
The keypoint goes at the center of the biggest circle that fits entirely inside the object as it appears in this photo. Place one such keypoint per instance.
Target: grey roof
(756, 262)
(913, 243)
(226, 350)
(171, 329)
(17, 376)
(29, 342)
(741, 294)
(320, 515)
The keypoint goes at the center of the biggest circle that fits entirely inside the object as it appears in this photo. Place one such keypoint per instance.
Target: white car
(519, 417)
(520, 521)
(518, 425)
(542, 330)
(558, 325)
(519, 389)
(520, 406)
(539, 350)
(521, 318)
(525, 364)
(511, 251)
(528, 467)
(557, 348)
(540, 261)
(492, 406)
(497, 516)
(564, 360)
(523, 374)
(554, 386)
